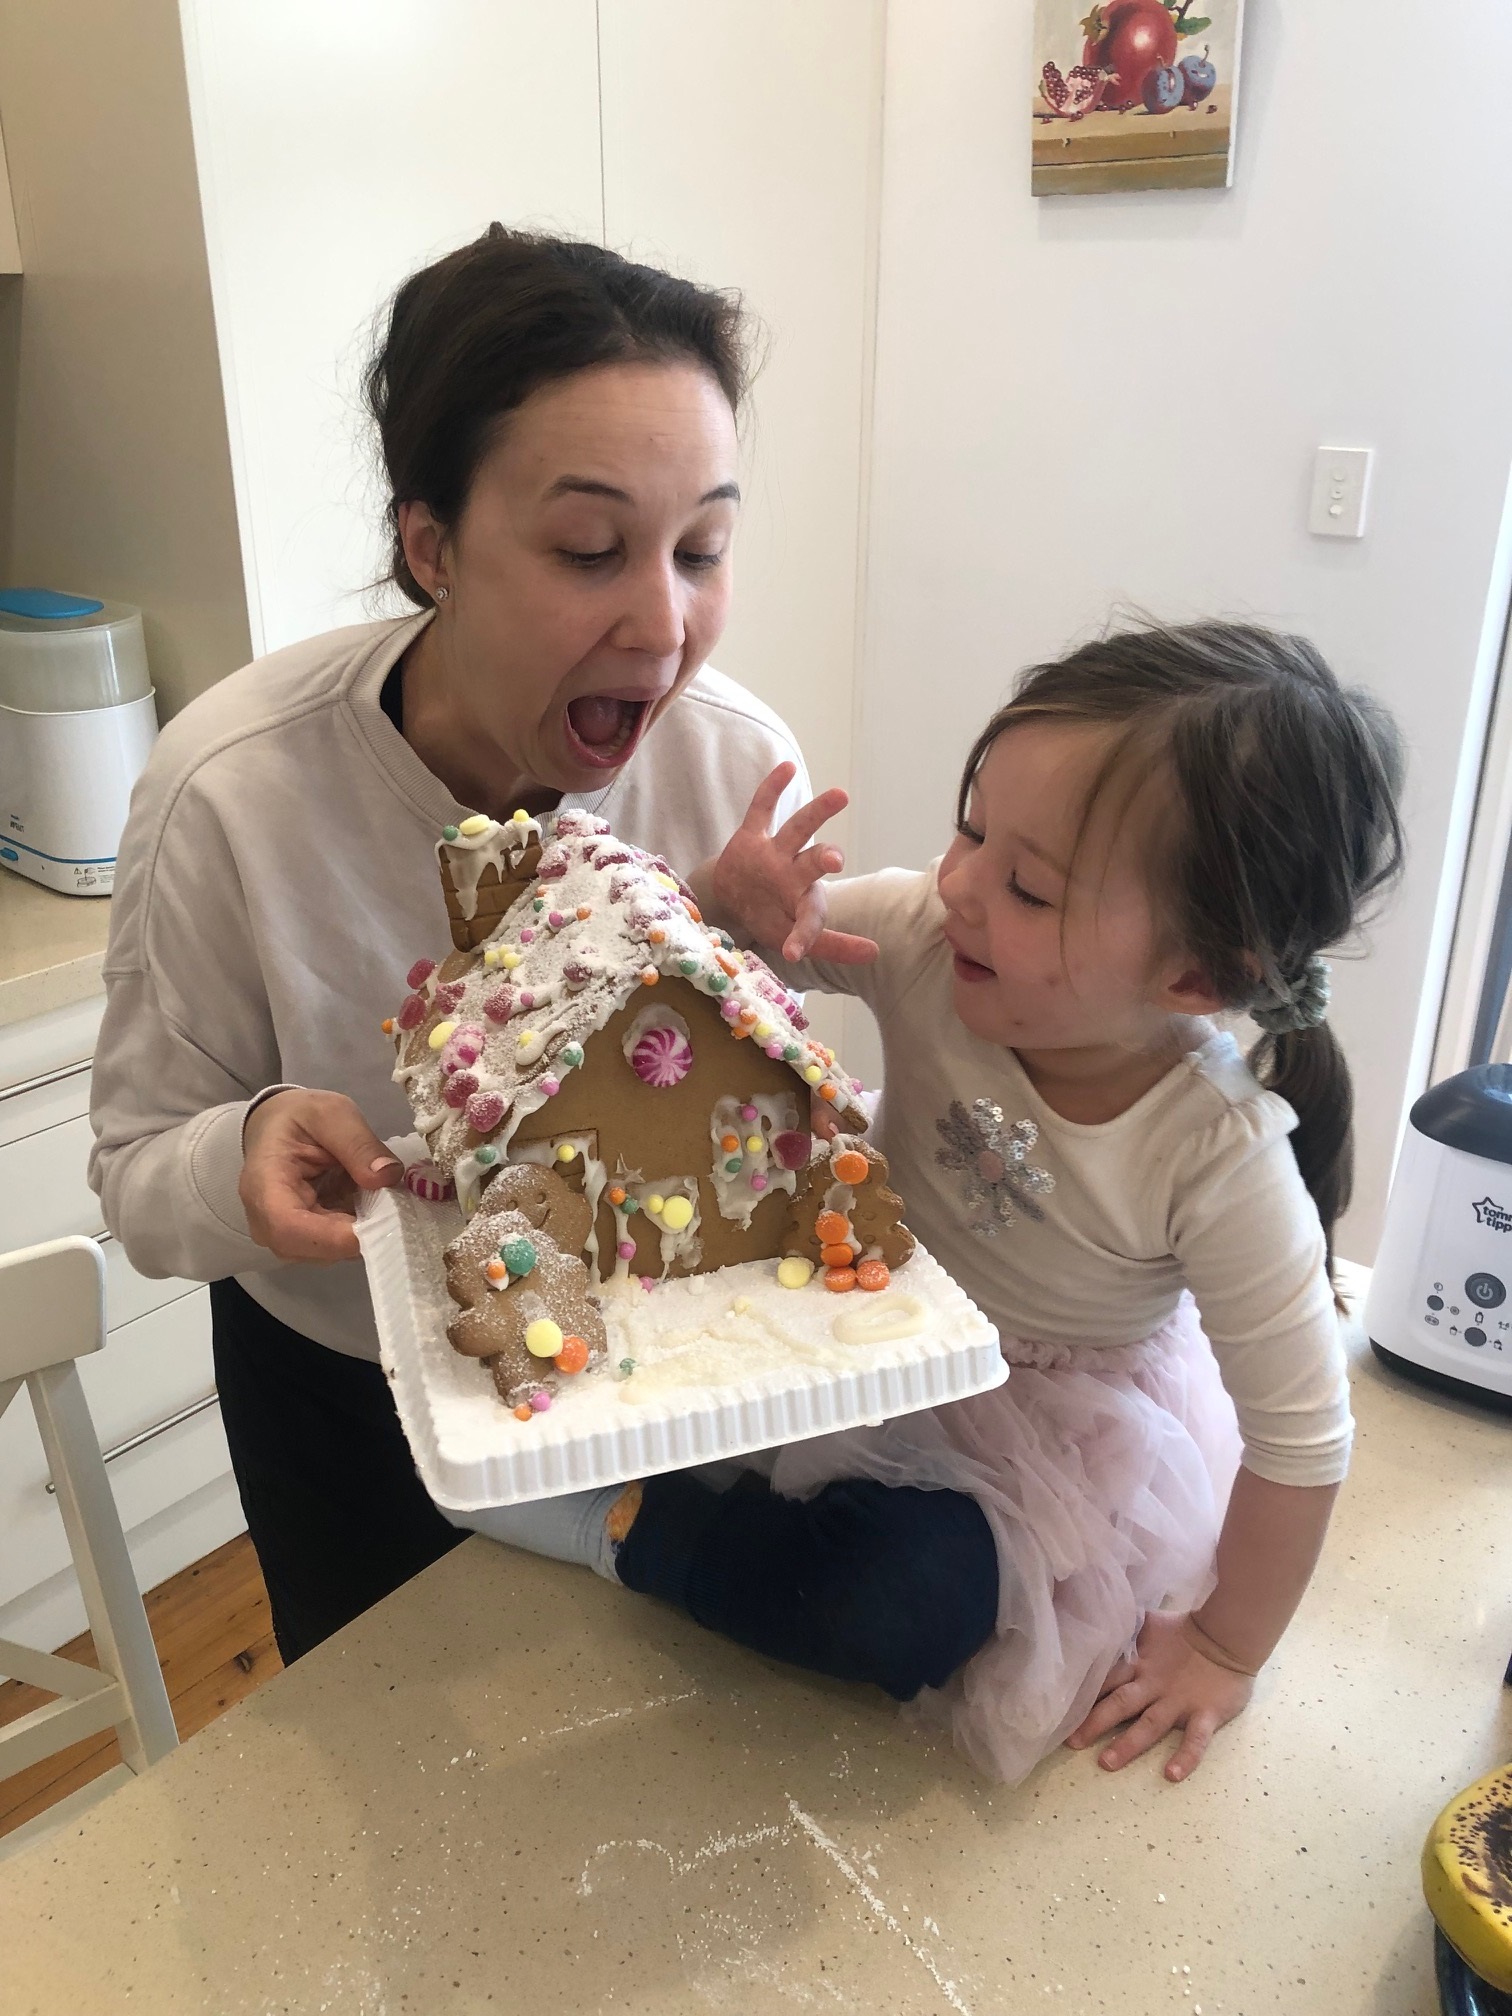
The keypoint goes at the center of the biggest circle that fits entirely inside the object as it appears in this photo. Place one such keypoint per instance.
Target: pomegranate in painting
(1131, 38)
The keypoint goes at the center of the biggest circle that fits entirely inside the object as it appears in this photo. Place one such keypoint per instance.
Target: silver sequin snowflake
(994, 1157)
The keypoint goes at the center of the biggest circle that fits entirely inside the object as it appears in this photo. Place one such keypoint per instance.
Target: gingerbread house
(589, 1021)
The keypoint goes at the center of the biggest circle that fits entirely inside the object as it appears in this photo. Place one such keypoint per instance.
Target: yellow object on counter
(1467, 1876)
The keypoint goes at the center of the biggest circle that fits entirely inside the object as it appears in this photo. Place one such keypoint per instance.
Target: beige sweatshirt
(1097, 1230)
(276, 880)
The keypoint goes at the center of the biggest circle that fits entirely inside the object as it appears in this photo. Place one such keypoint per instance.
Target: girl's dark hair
(1274, 792)
(469, 338)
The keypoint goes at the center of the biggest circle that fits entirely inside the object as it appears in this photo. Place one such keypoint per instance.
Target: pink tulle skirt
(1104, 1474)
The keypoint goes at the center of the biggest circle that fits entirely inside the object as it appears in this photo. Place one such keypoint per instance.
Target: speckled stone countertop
(511, 1787)
(51, 947)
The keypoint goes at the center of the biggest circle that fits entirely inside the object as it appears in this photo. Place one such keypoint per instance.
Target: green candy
(572, 1055)
(790, 1053)
(518, 1255)
(539, 903)
(717, 983)
(734, 1166)
(626, 1367)
(486, 1157)
(688, 967)
(630, 1206)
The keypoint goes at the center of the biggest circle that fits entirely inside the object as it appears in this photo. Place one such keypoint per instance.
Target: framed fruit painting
(1134, 94)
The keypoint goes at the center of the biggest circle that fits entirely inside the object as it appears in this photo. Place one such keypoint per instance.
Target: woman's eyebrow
(589, 486)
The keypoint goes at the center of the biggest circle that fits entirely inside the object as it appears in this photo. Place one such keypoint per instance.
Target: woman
(558, 431)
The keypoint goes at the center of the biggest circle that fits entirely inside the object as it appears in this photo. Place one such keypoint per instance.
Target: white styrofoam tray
(710, 1381)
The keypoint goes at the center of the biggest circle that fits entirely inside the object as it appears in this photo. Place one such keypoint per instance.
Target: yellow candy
(492, 956)
(794, 1272)
(678, 1213)
(665, 881)
(471, 828)
(763, 1030)
(754, 1144)
(656, 1205)
(521, 818)
(441, 1033)
(813, 1074)
(566, 1153)
(543, 1338)
(510, 959)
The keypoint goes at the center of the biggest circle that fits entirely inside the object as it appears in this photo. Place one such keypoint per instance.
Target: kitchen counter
(51, 947)
(511, 1786)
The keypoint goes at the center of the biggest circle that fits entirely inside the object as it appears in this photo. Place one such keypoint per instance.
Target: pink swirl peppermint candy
(662, 1057)
(424, 1179)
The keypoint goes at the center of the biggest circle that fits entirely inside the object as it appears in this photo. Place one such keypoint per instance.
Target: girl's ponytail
(1306, 1068)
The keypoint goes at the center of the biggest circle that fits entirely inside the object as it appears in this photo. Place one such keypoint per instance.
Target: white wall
(1089, 400)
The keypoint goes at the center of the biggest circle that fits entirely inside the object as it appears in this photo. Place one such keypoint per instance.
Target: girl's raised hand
(772, 883)
(1166, 1685)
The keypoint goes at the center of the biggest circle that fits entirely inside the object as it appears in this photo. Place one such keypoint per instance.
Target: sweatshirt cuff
(215, 1163)
(260, 1098)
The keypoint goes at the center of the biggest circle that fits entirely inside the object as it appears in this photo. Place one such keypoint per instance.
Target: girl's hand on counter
(305, 1155)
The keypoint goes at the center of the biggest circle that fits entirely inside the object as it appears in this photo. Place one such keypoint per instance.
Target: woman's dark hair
(1274, 799)
(469, 338)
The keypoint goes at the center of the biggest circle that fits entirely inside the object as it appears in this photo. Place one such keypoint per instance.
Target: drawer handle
(150, 1434)
(45, 1078)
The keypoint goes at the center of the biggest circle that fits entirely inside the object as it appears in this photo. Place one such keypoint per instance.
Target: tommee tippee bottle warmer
(77, 722)
(1440, 1300)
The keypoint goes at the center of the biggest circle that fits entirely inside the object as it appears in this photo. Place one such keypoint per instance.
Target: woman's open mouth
(602, 729)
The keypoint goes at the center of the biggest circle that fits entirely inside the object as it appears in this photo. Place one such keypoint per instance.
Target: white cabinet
(173, 1486)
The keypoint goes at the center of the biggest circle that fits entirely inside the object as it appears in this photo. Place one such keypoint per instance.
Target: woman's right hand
(305, 1155)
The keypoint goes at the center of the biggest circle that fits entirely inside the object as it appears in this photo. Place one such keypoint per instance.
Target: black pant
(895, 1586)
(334, 1508)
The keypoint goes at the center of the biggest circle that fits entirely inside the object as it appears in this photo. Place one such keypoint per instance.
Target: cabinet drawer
(46, 1102)
(147, 1372)
(43, 1192)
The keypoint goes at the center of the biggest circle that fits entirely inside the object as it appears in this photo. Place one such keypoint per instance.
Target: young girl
(1167, 824)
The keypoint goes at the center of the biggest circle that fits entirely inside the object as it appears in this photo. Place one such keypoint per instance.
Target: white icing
(734, 1192)
(499, 844)
(880, 1319)
(677, 1244)
(595, 1176)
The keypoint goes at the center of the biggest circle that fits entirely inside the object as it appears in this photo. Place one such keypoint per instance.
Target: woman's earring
(442, 593)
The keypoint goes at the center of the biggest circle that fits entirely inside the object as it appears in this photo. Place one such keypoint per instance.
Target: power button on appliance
(1485, 1291)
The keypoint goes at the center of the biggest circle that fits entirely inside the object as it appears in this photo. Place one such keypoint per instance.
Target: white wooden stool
(52, 1312)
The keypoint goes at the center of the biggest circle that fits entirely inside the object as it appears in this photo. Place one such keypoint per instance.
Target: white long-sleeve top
(276, 880)
(1195, 1186)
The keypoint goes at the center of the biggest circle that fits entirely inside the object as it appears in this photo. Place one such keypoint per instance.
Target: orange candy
(496, 1270)
(693, 911)
(851, 1166)
(649, 976)
(873, 1275)
(658, 936)
(729, 1143)
(832, 1227)
(826, 1091)
(387, 1025)
(584, 911)
(573, 1355)
(839, 1280)
(837, 1255)
(616, 1196)
(524, 1412)
(726, 964)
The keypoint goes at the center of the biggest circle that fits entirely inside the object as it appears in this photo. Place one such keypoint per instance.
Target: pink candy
(792, 1148)
(551, 1087)
(449, 993)
(758, 1181)
(419, 973)
(626, 1249)
(540, 1402)
(527, 936)
(555, 919)
(527, 999)
(412, 1012)
(730, 1010)
(458, 1089)
(424, 1179)
(499, 1007)
(484, 1112)
(748, 1112)
(774, 1048)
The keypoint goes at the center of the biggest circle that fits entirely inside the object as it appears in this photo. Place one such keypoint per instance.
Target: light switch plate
(1341, 481)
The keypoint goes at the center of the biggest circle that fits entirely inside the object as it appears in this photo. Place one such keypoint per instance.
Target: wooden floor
(214, 1641)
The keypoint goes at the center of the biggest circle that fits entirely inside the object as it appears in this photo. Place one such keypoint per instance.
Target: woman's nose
(652, 619)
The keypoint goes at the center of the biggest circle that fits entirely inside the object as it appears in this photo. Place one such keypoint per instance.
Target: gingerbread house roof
(487, 1038)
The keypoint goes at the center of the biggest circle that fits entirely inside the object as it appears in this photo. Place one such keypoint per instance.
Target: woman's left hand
(1166, 1685)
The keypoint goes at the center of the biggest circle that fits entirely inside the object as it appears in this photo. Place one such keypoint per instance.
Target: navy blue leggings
(865, 1581)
